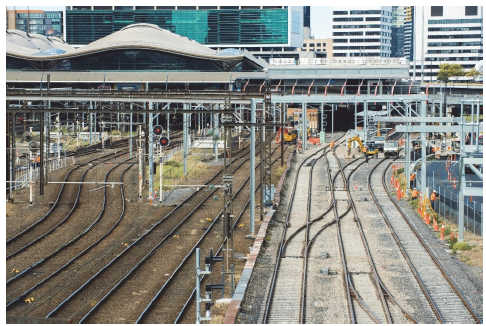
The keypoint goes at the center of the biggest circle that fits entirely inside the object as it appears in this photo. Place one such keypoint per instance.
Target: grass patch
(173, 171)
(462, 246)
(414, 204)
(278, 173)
(447, 231)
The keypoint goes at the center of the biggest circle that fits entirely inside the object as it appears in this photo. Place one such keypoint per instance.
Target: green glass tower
(213, 26)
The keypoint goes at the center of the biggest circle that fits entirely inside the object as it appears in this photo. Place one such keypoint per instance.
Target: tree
(473, 73)
(447, 70)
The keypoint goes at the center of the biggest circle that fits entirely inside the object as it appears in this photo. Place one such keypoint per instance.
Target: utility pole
(41, 149)
(228, 193)
(10, 155)
(283, 108)
(140, 163)
(252, 169)
(268, 148)
(151, 150)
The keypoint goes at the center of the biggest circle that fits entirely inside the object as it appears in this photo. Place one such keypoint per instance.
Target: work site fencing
(448, 207)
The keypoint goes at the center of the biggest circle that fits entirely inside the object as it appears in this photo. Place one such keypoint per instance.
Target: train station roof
(35, 47)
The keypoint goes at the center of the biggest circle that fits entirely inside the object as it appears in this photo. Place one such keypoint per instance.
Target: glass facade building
(242, 26)
(47, 23)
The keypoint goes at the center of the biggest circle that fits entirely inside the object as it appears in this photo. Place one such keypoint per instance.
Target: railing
(335, 61)
(23, 177)
(448, 207)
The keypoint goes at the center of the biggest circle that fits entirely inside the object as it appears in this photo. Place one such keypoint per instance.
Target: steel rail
(402, 250)
(168, 282)
(57, 225)
(282, 242)
(54, 205)
(168, 236)
(376, 282)
(70, 242)
(427, 248)
(341, 249)
(52, 208)
(191, 296)
(54, 311)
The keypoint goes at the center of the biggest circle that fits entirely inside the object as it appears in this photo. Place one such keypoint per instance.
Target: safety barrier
(447, 206)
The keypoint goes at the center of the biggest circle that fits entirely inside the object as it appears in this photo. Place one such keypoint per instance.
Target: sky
(321, 21)
(321, 18)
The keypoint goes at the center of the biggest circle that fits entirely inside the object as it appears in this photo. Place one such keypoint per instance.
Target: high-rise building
(47, 23)
(452, 34)
(256, 28)
(362, 31)
(307, 16)
(398, 30)
(408, 33)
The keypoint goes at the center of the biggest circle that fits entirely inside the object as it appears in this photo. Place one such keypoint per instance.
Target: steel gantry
(469, 155)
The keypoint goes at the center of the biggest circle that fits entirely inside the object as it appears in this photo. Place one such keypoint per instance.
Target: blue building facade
(218, 26)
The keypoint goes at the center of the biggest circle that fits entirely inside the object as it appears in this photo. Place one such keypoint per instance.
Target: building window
(340, 12)
(318, 44)
(471, 10)
(311, 44)
(305, 45)
(437, 11)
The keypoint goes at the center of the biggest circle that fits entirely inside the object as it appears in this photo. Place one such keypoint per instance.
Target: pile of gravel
(175, 196)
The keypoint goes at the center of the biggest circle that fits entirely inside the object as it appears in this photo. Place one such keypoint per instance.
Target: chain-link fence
(448, 207)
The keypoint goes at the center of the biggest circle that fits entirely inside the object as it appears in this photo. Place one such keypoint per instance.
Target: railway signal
(157, 130)
(209, 260)
(164, 141)
(28, 137)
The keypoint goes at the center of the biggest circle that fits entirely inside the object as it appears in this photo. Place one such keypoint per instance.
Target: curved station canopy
(137, 47)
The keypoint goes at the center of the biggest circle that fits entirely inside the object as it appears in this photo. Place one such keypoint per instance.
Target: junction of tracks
(339, 249)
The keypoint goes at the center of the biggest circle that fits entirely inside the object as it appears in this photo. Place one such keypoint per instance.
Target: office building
(452, 34)
(49, 23)
(398, 31)
(408, 33)
(307, 16)
(255, 28)
(362, 31)
(322, 48)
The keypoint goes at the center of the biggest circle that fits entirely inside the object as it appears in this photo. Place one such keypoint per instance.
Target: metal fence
(30, 172)
(448, 207)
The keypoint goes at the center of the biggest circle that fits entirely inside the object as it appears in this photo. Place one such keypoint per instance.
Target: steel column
(252, 169)
(423, 168)
(185, 131)
(151, 150)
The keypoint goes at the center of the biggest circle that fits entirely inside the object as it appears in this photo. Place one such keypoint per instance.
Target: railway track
(445, 300)
(24, 239)
(303, 250)
(61, 258)
(55, 312)
(289, 276)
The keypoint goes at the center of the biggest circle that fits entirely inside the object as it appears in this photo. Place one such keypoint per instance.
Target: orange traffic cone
(419, 209)
(426, 217)
(399, 194)
(442, 232)
(452, 236)
(436, 226)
